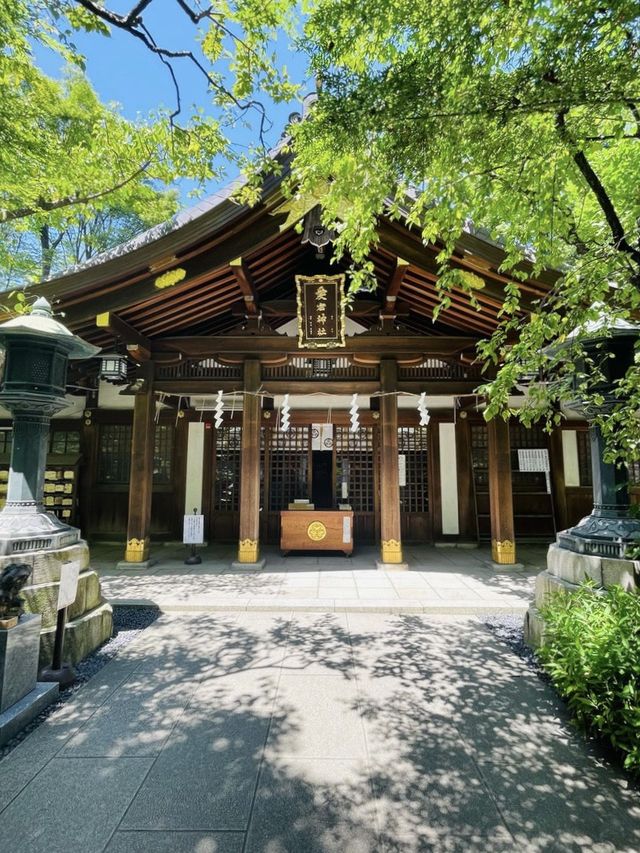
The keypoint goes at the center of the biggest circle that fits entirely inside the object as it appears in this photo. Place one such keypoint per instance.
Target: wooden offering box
(316, 530)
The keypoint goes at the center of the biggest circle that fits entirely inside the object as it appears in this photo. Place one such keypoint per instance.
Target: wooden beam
(246, 285)
(388, 345)
(248, 547)
(394, 284)
(503, 544)
(390, 530)
(467, 512)
(138, 346)
(288, 308)
(141, 475)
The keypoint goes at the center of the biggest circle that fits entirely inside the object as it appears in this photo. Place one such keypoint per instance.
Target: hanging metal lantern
(113, 367)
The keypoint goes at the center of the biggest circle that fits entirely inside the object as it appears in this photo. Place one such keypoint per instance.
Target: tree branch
(134, 25)
(68, 200)
(595, 184)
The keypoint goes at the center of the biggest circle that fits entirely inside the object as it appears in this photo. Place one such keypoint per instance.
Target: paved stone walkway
(321, 733)
(439, 581)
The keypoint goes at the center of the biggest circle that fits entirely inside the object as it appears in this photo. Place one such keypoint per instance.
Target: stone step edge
(338, 606)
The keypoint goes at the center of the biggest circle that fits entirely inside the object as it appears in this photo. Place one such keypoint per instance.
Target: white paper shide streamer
(422, 409)
(284, 414)
(218, 409)
(353, 411)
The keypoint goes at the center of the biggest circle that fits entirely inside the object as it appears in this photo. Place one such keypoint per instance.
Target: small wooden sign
(321, 311)
(193, 530)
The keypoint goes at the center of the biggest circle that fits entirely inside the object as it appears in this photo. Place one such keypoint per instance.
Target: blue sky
(121, 69)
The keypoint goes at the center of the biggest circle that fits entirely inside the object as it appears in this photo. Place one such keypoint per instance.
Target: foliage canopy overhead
(522, 117)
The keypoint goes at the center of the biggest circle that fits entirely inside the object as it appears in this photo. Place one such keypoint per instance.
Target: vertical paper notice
(346, 530)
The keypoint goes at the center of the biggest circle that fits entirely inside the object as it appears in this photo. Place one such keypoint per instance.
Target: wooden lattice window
(114, 453)
(480, 455)
(289, 469)
(227, 485)
(585, 473)
(355, 461)
(413, 445)
(64, 441)
(163, 454)
(521, 438)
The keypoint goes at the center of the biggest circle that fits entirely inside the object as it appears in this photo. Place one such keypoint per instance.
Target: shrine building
(239, 385)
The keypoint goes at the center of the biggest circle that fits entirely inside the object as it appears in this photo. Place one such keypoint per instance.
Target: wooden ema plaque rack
(316, 530)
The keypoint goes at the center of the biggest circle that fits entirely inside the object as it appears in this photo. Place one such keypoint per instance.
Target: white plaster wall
(570, 457)
(194, 473)
(449, 480)
(109, 397)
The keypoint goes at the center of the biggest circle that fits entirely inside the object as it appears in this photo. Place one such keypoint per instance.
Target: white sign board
(69, 574)
(193, 530)
(346, 529)
(402, 469)
(534, 460)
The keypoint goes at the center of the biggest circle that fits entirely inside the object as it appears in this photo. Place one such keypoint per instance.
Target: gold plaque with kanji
(321, 311)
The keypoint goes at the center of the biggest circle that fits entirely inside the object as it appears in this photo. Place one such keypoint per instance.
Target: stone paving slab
(357, 732)
(456, 581)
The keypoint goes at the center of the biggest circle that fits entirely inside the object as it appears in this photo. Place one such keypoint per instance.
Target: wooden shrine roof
(236, 259)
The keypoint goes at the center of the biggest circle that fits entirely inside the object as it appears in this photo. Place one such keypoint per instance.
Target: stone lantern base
(22, 532)
(565, 571)
(90, 620)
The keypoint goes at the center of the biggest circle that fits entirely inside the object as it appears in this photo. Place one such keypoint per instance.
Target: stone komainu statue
(12, 579)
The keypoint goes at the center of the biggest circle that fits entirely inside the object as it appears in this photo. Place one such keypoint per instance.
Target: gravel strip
(128, 623)
(510, 630)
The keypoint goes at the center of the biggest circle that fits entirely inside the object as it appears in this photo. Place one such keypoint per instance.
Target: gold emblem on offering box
(316, 531)
(321, 311)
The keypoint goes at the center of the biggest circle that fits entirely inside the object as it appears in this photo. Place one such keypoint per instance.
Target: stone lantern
(37, 352)
(609, 528)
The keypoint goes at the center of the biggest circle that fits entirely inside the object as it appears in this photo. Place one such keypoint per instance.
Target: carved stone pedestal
(90, 618)
(21, 696)
(565, 571)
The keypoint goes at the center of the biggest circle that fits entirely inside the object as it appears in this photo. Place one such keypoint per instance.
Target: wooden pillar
(390, 535)
(556, 460)
(503, 545)
(467, 513)
(248, 548)
(141, 475)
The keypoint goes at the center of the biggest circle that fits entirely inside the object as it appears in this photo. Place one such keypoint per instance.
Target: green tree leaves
(519, 117)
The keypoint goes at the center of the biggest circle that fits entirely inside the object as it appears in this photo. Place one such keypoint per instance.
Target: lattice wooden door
(288, 474)
(356, 479)
(415, 517)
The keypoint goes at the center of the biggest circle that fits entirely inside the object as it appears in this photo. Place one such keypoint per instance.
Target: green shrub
(591, 651)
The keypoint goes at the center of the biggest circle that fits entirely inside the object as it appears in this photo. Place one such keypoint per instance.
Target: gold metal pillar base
(137, 551)
(391, 551)
(248, 551)
(503, 553)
